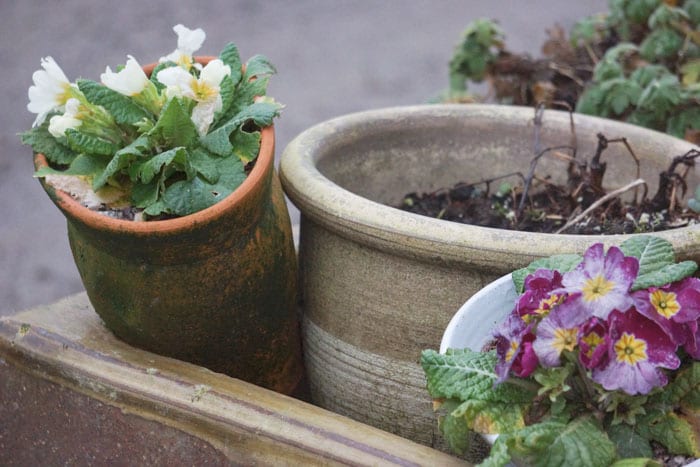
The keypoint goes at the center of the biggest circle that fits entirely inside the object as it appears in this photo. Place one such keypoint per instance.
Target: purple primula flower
(514, 348)
(602, 280)
(676, 308)
(593, 343)
(638, 348)
(537, 300)
(558, 332)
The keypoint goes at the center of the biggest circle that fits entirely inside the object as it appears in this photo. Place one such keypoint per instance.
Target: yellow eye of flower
(596, 288)
(565, 339)
(511, 352)
(593, 340)
(665, 303)
(630, 350)
(203, 91)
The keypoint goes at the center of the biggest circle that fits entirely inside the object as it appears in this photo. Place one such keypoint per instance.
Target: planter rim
(355, 217)
(95, 220)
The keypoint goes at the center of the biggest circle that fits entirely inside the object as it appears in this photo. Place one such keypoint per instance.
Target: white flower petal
(49, 91)
(60, 123)
(178, 82)
(214, 72)
(130, 81)
(189, 40)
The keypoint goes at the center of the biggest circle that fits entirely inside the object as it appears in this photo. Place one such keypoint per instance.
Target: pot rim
(95, 220)
(384, 227)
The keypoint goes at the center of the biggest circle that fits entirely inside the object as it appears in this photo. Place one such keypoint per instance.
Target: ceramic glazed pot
(380, 284)
(216, 288)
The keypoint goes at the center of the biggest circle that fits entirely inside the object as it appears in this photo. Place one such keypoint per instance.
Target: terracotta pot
(380, 284)
(216, 288)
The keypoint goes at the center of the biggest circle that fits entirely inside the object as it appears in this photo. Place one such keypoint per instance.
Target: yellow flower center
(593, 340)
(630, 350)
(203, 91)
(665, 303)
(544, 307)
(565, 339)
(185, 61)
(511, 352)
(596, 287)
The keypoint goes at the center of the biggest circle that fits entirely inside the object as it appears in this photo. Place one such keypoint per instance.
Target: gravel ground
(334, 57)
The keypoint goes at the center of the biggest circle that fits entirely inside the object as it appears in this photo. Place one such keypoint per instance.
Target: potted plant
(380, 284)
(589, 360)
(638, 62)
(175, 215)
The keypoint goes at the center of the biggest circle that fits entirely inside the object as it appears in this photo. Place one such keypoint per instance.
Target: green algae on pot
(379, 284)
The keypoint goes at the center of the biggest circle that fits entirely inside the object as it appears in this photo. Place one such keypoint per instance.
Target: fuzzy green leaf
(205, 164)
(241, 97)
(89, 144)
(628, 443)
(258, 66)
(261, 113)
(676, 434)
(246, 145)
(562, 263)
(652, 252)
(665, 275)
(174, 127)
(149, 168)
(43, 142)
(230, 56)
(548, 444)
(85, 165)
(661, 44)
(491, 417)
(144, 195)
(637, 462)
(121, 160)
(455, 429)
(465, 374)
(188, 196)
(685, 388)
(121, 107)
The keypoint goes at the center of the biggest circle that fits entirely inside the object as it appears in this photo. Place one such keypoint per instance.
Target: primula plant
(597, 363)
(168, 144)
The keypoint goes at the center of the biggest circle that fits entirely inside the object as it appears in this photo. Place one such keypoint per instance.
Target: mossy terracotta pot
(216, 288)
(379, 284)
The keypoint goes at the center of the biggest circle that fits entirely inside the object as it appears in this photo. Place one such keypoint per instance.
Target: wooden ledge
(70, 392)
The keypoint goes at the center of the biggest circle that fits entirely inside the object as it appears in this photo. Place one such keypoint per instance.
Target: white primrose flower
(205, 90)
(69, 120)
(50, 91)
(188, 42)
(130, 80)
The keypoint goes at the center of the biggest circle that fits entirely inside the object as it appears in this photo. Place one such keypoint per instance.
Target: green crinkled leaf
(144, 195)
(455, 429)
(665, 275)
(85, 165)
(242, 96)
(261, 113)
(628, 443)
(43, 142)
(468, 375)
(660, 44)
(84, 143)
(652, 252)
(121, 107)
(121, 160)
(205, 164)
(258, 66)
(230, 56)
(562, 263)
(187, 196)
(685, 388)
(491, 417)
(148, 169)
(246, 145)
(676, 434)
(547, 444)
(637, 462)
(174, 127)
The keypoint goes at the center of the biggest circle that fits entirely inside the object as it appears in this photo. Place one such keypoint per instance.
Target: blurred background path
(333, 57)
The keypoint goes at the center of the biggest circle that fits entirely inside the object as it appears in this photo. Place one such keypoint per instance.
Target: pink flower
(557, 332)
(602, 281)
(593, 343)
(637, 350)
(676, 309)
(537, 300)
(514, 348)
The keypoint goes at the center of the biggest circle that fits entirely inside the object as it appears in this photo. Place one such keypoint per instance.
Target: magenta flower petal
(593, 343)
(602, 281)
(557, 332)
(537, 300)
(637, 350)
(514, 348)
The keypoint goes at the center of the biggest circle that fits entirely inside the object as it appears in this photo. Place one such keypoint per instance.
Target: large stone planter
(379, 284)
